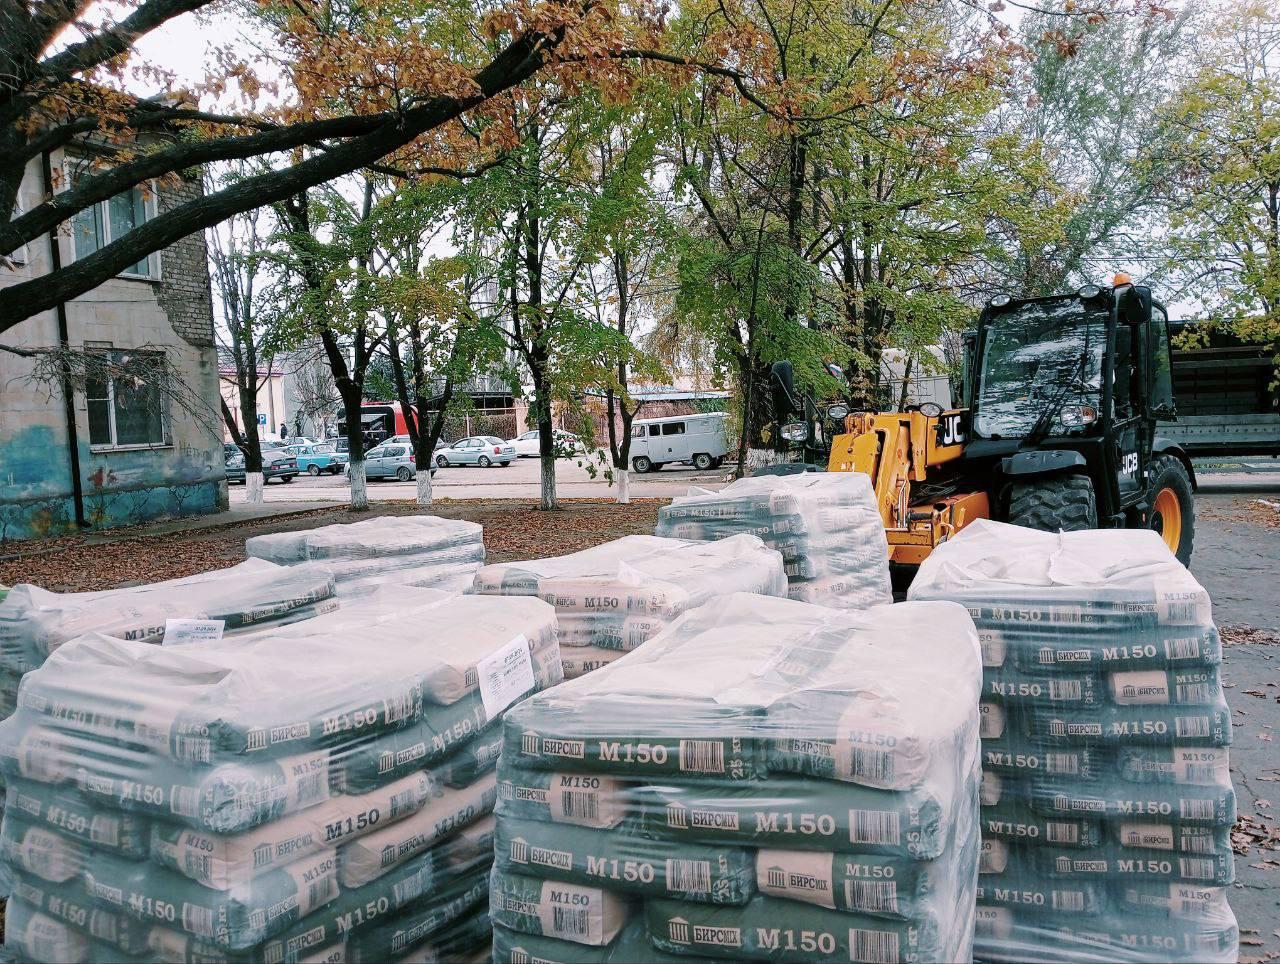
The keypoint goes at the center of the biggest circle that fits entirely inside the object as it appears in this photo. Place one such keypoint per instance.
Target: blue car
(317, 457)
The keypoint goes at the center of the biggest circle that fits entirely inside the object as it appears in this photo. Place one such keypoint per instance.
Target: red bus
(380, 420)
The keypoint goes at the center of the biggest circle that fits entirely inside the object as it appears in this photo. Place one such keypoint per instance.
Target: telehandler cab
(1061, 399)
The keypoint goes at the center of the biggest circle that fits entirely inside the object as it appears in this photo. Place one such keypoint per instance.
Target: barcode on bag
(1196, 868)
(1182, 648)
(688, 876)
(1191, 727)
(105, 831)
(1182, 612)
(1200, 773)
(399, 708)
(196, 749)
(1195, 809)
(184, 801)
(1066, 689)
(570, 921)
(874, 827)
(1068, 900)
(874, 896)
(1062, 762)
(580, 804)
(311, 787)
(1197, 843)
(1195, 692)
(874, 765)
(873, 947)
(197, 920)
(702, 756)
(1064, 833)
(1069, 617)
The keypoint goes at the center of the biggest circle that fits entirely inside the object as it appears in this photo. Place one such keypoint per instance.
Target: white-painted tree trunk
(549, 483)
(253, 488)
(424, 486)
(359, 486)
(624, 486)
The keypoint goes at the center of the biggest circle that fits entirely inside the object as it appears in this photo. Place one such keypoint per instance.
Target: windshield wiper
(1044, 422)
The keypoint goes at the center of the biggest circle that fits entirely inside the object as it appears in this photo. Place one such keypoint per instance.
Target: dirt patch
(513, 529)
(1245, 635)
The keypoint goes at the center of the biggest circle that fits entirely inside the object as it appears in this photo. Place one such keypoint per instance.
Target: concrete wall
(121, 486)
(271, 403)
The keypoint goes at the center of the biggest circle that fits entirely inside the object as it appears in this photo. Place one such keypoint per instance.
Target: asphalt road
(518, 480)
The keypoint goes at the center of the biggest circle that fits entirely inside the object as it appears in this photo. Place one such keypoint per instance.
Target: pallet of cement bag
(373, 538)
(622, 593)
(35, 622)
(827, 526)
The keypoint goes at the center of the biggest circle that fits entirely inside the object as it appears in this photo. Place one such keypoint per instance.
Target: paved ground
(518, 480)
(1237, 558)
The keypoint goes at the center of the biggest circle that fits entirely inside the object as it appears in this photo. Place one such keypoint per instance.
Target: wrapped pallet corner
(1106, 789)
(826, 526)
(322, 792)
(763, 780)
(611, 598)
(411, 550)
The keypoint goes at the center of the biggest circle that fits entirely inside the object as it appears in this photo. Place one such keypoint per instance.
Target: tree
(373, 83)
(1093, 101)
(1225, 195)
(245, 336)
(333, 301)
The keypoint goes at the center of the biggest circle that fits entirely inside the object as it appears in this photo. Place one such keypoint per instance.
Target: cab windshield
(1039, 356)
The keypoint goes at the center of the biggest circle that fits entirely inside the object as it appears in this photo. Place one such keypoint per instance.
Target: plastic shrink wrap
(826, 525)
(763, 780)
(1107, 797)
(611, 598)
(411, 550)
(322, 792)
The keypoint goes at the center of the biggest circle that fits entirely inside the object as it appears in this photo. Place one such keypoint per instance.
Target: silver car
(481, 450)
(391, 460)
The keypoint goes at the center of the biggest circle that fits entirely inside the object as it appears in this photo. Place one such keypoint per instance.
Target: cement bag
(581, 660)
(75, 815)
(625, 860)
(630, 946)
(69, 904)
(236, 918)
(549, 908)
(827, 526)
(453, 921)
(34, 622)
(385, 536)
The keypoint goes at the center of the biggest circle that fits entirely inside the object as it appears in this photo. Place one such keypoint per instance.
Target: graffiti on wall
(120, 488)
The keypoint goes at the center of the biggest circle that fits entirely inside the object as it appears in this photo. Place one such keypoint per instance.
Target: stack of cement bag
(611, 598)
(35, 622)
(412, 550)
(826, 525)
(288, 797)
(763, 780)
(1106, 788)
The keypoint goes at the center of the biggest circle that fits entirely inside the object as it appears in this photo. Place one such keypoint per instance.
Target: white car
(526, 445)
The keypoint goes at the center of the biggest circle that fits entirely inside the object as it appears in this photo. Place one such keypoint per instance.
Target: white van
(696, 439)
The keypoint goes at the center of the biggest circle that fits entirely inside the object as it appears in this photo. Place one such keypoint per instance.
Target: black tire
(286, 478)
(657, 466)
(483, 462)
(702, 462)
(313, 469)
(717, 462)
(441, 461)
(1056, 503)
(642, 464)
(403, 473)
(1168, 473)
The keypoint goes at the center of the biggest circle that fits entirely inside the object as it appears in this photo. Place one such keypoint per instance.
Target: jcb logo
(1129, 464)
(951, 430)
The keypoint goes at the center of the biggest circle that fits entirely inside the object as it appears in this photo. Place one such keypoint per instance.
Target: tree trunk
(424, 486)
(359, 486)
(624, 486)
(253, 483)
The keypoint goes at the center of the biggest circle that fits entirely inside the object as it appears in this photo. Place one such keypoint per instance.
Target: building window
(99, 225)
(126, 407)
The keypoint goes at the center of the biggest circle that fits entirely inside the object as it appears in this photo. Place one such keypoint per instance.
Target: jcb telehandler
(1061, 399)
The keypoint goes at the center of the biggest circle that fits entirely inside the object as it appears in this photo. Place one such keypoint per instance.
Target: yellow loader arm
(901, 450)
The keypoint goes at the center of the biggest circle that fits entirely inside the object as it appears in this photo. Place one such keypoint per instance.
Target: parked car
(481, 450)
(391, 460)
(567, 443)
(317, 458)
(276, 464)
(696, 439)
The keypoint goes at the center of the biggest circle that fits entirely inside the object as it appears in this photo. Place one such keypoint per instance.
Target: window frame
(166, 427)
(677, 428)
(150, 206)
